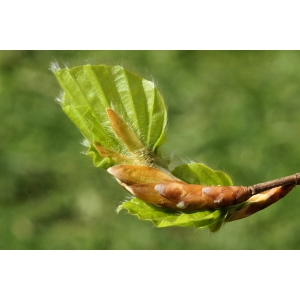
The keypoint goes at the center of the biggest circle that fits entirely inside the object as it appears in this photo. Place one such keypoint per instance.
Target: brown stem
(261, 187)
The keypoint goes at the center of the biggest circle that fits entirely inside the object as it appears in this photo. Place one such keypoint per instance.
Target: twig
(261, 187)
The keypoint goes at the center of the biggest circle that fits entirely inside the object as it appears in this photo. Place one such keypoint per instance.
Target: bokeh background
(236, 111)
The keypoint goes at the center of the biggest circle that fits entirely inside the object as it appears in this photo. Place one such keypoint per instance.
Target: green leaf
(165, 218)
(90, 90)
(197, 173)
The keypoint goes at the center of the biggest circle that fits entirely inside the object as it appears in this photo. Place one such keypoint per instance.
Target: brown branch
(261, 187)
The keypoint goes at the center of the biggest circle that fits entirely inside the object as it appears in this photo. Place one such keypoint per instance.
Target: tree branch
(261, 187)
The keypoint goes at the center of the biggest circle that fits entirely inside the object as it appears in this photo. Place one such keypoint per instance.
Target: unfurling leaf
(161, 217)
(98, 97)
(196, 173)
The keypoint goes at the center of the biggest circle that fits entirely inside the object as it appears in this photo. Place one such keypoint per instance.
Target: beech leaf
(90, 90)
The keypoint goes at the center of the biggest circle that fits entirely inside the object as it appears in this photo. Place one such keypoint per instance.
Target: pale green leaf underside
(89, 90)
(197, 173)
(164, 218)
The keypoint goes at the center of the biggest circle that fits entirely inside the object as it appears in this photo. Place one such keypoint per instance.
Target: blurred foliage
(236, 111)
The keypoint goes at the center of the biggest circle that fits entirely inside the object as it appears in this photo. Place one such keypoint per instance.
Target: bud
(124, 131)
(261, 201)
(139, 174)
(161, 188)
(197, 197)
(115, 156)
(147, 193)
(140, 181)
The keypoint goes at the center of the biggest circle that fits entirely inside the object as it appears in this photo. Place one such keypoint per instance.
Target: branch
(261, 187)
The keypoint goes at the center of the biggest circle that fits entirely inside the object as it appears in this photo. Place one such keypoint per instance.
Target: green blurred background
(236, 111)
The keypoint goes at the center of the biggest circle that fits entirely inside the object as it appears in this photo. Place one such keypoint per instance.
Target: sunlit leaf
(197, 173)
(165, 218)
(90, 90)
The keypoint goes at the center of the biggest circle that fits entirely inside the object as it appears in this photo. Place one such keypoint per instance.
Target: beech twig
(287, 180)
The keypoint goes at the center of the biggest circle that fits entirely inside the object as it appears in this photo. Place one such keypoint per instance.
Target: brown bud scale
(195, 197)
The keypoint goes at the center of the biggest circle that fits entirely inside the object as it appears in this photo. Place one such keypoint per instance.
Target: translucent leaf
(90, 90)
(164, 218)
(197, 173)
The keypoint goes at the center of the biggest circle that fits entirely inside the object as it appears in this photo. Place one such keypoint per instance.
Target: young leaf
(90, 90)
(197, 173)
(165, 218)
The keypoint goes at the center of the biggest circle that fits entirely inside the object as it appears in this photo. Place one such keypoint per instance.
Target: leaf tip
(54, 66)
(119, 208)
(60, 99)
